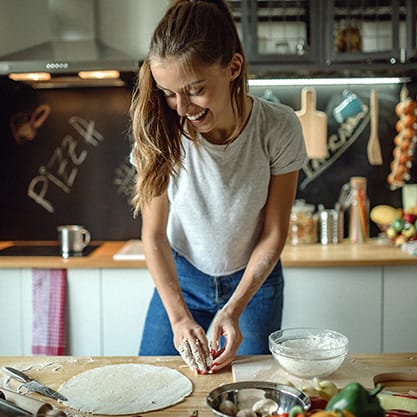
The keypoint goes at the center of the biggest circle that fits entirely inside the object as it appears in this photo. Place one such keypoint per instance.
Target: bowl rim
(233, 386)
(289, 351)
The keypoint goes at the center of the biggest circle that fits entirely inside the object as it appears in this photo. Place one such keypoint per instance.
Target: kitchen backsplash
(64, 160)
(64, 156)
(347, 140)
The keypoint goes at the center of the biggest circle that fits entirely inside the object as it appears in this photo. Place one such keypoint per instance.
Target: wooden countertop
(302, 256)
(102, 257)
(53, 371)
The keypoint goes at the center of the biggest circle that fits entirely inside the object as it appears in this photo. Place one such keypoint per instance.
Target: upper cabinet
(328, 36)
(367, 31)
(282, 30)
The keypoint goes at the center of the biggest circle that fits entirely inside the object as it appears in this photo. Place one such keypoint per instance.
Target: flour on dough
(125, 389)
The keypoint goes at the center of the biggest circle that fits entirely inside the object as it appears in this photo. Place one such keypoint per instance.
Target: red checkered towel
(48, 307)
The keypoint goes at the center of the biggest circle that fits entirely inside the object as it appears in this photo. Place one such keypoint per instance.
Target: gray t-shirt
(217, 199)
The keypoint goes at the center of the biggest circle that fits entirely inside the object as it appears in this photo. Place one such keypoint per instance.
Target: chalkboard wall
(321, 180)
(75, 169)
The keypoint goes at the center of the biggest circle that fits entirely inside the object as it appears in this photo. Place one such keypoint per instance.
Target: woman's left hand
(227, 326)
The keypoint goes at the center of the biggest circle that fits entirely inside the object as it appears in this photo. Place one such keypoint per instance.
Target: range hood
(66, 57)
(63, 37)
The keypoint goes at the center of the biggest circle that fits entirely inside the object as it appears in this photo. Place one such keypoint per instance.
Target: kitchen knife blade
(32, 385)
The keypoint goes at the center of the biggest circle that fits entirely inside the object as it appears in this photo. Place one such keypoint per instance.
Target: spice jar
(359, 211)
(303, 224)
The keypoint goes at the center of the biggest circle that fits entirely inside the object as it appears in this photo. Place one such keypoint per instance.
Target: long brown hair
(197, 32)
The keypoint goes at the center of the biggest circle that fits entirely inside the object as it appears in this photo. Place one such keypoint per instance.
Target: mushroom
(246, 412)
(265, 407)
(228, 407)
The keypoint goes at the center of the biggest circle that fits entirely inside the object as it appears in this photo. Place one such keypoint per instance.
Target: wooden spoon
(374, 146)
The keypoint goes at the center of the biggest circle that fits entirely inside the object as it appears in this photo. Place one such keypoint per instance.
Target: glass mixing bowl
(308, 352)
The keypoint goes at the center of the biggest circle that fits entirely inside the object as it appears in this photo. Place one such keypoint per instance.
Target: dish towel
(49, 311)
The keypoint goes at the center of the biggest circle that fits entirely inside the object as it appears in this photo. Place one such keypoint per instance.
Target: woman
(217, 176)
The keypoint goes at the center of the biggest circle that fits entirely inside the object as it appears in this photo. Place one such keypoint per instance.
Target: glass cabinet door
(412, 30)
(366, 31)
(278, 30)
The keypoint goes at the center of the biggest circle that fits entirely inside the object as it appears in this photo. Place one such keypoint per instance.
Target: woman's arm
(159, 258)
(265, 255)
(161, 264)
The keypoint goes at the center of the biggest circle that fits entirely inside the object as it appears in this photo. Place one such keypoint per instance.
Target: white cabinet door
(348, 300)
(126, 295)
(15, 312)
(400, 309)
(84, 325)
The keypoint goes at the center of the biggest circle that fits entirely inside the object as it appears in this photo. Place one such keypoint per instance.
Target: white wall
(135, 20)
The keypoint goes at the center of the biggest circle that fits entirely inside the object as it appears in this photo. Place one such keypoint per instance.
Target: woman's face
(202, 97)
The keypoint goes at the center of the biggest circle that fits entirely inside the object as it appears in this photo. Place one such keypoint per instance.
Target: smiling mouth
(195, 117)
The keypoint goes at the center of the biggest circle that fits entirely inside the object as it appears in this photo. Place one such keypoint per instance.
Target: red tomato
(410, 218)
(317, 403)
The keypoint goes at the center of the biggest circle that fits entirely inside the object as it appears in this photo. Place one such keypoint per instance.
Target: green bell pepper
(358, 400)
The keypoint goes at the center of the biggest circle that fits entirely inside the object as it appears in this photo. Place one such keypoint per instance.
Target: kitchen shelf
(278, 34)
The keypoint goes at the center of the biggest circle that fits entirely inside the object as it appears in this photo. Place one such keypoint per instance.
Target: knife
(32, 385)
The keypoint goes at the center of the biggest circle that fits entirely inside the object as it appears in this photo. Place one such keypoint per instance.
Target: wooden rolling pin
(35, 407)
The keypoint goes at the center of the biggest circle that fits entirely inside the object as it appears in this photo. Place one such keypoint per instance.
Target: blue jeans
(204, 296)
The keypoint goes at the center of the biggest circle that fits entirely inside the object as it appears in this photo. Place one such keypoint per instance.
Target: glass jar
(303, 224)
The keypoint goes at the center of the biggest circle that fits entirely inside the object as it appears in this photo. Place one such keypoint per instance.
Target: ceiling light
(107, 74)
(30, 76)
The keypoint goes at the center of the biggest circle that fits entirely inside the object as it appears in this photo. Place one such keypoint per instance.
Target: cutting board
(314, 124)
(266, 368)
(132, 250)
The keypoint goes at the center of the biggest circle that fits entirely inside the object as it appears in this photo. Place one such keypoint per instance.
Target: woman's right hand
(191, 342)
(226, 326)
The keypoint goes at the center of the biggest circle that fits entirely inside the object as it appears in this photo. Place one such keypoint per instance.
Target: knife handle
(15, 373)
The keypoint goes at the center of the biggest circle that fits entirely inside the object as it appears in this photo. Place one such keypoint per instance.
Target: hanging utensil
(374, 146)
(314, 124)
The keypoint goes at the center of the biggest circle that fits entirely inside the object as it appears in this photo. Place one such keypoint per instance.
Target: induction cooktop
(42, 250)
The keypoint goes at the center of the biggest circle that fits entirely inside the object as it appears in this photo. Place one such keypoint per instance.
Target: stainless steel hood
(67, 56)
(68, 31)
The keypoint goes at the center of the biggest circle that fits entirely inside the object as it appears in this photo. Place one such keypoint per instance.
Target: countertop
(344, 254)
(53, 371)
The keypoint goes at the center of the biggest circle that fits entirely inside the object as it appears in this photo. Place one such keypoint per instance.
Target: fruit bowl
(308, 352)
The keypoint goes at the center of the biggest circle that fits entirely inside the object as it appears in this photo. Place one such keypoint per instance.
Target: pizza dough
(125, 389)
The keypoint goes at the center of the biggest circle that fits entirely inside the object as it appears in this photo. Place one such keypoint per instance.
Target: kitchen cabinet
(412, 30)
(348, 300)
(366, 31)
(373, 305)
(279, 31)
(400, 312)
(106, 310)
(125, 297)
(15, 311)
(85, 312)
(327, 36)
